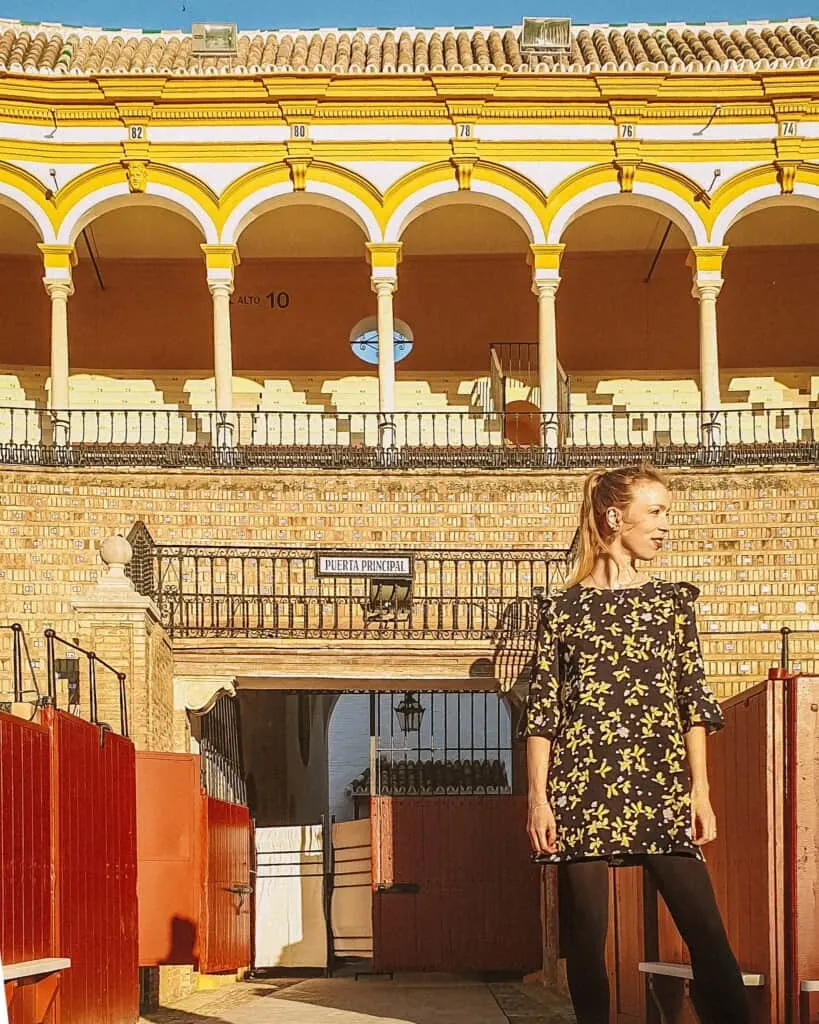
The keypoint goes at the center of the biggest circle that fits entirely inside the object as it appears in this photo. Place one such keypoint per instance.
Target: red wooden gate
(95, 892)
(765, 863)
(25, 841)
(224, 940)
(453, 885)
(68, 849)
(169, 806)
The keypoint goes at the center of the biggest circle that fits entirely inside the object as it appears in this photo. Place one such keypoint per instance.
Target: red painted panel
(804, 820)
(25, 849)
(168, 808)
(225, 916)
(478, 901)
(94, 844)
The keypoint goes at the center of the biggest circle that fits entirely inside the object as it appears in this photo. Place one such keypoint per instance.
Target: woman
(617, 718)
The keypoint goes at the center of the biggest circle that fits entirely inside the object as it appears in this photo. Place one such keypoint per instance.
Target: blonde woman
(617, 719)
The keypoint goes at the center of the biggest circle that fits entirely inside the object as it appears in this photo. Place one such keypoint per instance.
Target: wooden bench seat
(809, 1001)
(670, 998)
(30, 987)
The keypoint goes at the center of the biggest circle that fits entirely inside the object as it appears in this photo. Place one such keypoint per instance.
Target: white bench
(684, 973)
(809, 1001)
(43, 974)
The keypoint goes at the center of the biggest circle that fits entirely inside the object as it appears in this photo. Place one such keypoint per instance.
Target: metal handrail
(52, 638)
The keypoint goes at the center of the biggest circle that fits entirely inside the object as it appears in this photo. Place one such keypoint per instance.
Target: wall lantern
(388, 599)
(410, 713)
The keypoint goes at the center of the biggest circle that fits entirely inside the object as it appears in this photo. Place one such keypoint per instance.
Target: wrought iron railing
(165, 438)
(67, 670)
(220, 755)
(209, 590)
(24, 685)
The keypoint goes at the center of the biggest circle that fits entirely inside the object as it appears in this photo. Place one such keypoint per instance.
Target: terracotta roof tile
(55, 50)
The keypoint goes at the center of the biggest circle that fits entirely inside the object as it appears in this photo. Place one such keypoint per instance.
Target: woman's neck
(614, 571)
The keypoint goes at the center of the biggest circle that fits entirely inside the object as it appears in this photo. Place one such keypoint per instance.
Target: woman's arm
(538, 751)
(703, 819)
(540, 824)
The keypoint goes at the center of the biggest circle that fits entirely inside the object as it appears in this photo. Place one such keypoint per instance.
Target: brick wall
(750, 540)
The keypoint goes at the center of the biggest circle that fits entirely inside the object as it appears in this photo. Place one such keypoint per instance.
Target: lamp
(388, 599)
(410, 713)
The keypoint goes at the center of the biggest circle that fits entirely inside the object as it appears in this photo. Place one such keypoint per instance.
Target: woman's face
(644, 522)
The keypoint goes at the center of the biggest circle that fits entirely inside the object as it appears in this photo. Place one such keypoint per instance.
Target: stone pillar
(384, 260)
(123, 628)
(58, 261)
(545, 260)
(707, 282)
(220, 261)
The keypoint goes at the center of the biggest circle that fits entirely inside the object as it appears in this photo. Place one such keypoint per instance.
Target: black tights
(718, 993)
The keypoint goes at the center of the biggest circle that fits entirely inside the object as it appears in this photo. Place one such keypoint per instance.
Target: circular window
(364, 340)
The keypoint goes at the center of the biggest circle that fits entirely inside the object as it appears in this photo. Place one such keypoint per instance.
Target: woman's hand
(703, 819)
(542, 828)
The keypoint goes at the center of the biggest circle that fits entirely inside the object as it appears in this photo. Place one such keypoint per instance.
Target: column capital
(706, 287)
(545, 287)
(220, 286)
(545, 257)
(384, 258)
(384, 285)
(707, 259)
(58, 261)
(220, 261)
(59, 288)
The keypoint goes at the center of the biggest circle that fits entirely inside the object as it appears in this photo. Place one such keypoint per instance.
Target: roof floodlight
(214, 39)
(546, 35)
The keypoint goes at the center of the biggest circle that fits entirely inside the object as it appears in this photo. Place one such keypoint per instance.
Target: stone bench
(32, 985)
(670, 997)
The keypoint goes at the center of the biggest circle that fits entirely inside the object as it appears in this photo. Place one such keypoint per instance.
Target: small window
(364, 340)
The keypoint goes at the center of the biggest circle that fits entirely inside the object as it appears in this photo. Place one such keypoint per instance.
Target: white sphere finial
(116, 552)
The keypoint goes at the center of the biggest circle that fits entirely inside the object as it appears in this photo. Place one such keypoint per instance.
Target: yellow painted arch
(106, 187)
(506, 189)
(654, 186)
(26, 195)
(332, 185)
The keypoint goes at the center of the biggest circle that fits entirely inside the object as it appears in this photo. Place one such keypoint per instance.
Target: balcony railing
(164, 438)
(217, 591)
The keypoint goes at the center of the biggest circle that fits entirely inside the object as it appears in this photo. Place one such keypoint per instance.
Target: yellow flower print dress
(619, 680)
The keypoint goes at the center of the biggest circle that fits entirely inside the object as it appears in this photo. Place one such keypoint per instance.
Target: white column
(547, 364)
(59, 292)
(384, 290)
(705, 290)
(221, 290)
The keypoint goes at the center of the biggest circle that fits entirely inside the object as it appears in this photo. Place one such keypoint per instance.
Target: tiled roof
(63, 50)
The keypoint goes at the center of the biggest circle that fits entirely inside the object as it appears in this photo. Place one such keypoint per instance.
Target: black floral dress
(619, 679)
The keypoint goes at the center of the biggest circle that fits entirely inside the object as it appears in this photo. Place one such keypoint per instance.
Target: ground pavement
(412, 999)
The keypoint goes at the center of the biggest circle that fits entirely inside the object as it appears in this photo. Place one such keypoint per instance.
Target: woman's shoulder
(681, 590)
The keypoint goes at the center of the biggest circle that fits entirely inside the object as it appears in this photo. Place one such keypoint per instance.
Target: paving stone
(418, 999)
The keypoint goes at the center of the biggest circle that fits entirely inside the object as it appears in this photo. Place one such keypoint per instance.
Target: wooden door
(454, 888)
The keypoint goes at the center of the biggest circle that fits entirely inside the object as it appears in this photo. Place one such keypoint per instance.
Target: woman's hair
(604, 489)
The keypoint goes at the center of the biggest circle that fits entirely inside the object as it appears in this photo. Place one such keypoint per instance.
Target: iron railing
(514, 374)
(220, 755)
(209, 590)
(67, 670)
(459, 743)
(20, 658)
(473, 438)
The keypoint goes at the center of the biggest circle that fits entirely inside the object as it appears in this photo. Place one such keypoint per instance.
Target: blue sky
(310, 13)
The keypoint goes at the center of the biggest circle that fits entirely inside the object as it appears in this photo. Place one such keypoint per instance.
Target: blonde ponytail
(602, 489)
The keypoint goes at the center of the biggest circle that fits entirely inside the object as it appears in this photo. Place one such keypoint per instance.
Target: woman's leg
(718, 992)
(583, 901)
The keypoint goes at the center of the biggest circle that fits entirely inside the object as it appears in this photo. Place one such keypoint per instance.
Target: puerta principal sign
(358, 563)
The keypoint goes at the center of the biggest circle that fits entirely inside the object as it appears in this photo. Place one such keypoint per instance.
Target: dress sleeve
(695, 699)
(543, 703)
